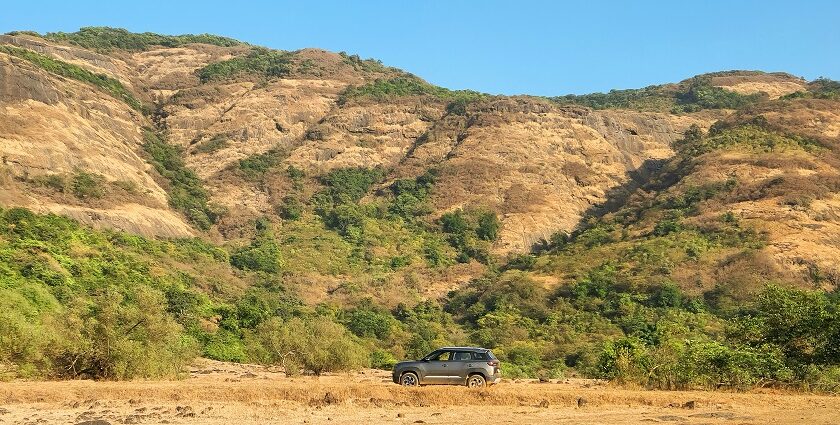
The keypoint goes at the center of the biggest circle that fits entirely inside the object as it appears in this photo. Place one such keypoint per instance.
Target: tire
(476, 381)
(409, 379)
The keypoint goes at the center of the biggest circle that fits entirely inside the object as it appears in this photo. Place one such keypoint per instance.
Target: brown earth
(540, 166)
(218, 393)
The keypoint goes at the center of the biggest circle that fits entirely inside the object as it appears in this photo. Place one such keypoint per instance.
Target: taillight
(493, 363)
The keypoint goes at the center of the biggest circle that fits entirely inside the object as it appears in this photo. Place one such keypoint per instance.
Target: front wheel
(409, 379)
(476, 381)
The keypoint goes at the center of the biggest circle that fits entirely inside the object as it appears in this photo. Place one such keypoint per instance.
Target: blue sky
(533, 47)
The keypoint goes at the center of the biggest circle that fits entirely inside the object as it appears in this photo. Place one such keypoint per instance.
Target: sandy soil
(217, 393)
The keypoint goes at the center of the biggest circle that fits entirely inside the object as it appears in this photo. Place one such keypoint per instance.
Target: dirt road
(217, 393)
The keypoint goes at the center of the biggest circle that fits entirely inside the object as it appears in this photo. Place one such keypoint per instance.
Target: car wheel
(409, 379)
(476, 381)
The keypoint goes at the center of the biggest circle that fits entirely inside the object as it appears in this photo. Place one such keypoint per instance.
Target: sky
(499, 47)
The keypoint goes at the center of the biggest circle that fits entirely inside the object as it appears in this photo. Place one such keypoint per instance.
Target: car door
(461, 364)
(438, 368)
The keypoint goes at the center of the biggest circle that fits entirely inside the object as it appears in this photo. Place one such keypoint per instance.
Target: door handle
(469, 364)
(444, 365)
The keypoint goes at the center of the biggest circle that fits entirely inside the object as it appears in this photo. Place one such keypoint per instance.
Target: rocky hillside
(245, 186)
(537, 164)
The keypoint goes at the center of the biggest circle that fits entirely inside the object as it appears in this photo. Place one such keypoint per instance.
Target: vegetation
(254, 167)
(64, 69)
(821, 88)
(87, 185)
(667, 291)
(364, 65)
(106, 39)
(384, 89)
(213, 144)
(186, 191)
(692, 95)
(258, 62)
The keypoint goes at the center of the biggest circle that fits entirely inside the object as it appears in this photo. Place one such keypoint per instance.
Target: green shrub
(381, 359)
(88, 185)
(106, 39)
(255, 166)
(699, 94)
(348, 220)
(821, 88)
(624, 360)
(291, 208)
(365, 65)
(368, 322)
(408, 85)
(488, 226)
(651, 98)
(214, 144)
(225, 346)
(186, 190)
(349, 185)
(115, 339)
(748, 136)
(260, 62)
(410, 196)
(318, 345)
(263, 254)
(692, 95)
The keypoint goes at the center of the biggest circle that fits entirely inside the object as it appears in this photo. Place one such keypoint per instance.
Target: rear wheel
(409, 379)
(476, 381)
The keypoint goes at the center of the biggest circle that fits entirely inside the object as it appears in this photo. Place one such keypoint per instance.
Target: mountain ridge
(311, 183)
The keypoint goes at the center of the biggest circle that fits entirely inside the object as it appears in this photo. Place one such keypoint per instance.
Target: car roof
(464, 348)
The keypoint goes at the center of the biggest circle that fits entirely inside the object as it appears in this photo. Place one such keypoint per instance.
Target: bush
(263, 255)
(488, 226)
(624, 360)
(699, 93)
(317, 344)
(368, 322)
(291, 208)
(409, 85)
(348, 220)
(115, 339)
(106, 39)
(214, 144)
(349, 185)
(254, 167)
(186, 191)
(259, 62)
(381, 359)
(88, 185)
(410, 196)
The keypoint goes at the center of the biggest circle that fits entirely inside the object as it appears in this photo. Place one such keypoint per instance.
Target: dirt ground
(219, 393)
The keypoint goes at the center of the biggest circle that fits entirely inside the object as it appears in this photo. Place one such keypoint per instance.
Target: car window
(463, 355)
(441, 356)
(480, 355)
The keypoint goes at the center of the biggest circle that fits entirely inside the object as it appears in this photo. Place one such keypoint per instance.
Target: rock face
(540, 166)
(50, 125)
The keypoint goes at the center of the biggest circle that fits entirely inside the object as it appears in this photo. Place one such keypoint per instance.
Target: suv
(470, 366)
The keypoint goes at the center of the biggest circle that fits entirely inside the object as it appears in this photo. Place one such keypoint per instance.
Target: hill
(176, 196)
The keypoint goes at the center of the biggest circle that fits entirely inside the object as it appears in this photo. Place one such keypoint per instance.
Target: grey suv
(470, 366)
